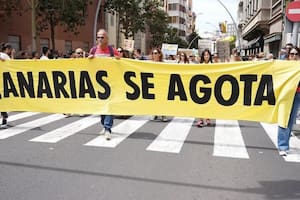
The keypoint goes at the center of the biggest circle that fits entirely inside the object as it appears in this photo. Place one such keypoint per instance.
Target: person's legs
(107, 122)
(4, 119)
(284, 134)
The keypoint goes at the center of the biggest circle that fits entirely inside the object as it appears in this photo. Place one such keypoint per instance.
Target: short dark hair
(45, 50)
(5, 46)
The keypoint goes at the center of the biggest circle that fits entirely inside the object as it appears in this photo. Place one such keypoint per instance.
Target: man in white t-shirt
(6, 53)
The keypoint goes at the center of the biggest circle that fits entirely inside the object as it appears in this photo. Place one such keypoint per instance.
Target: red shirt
(103, 52)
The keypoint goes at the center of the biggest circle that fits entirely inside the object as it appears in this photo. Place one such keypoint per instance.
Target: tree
(171, 37)
(7, 7)
(129, 14)
(67, 13)
(157, 22)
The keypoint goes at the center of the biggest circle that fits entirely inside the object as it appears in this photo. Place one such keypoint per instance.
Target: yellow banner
(255, 91)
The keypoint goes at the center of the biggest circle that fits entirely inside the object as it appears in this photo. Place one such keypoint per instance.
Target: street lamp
(234, 23)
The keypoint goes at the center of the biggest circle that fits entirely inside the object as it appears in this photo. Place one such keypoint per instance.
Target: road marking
(68, 130)
(228, 141)
(22, 115)
(294, 153)
(12, 131)
(120, 132)
(172, 138)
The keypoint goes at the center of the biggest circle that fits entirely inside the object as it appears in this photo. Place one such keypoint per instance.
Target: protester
(284, 134)
(7, 53)
(206, 58)
(157, 56)
(45, 53)
(102, 49)
(138, 55)
(183, 58)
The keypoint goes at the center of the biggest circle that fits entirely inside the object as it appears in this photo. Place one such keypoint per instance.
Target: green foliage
(157, 21)
(130, 15)
(171, 37)
(7, 7)
(67, 13)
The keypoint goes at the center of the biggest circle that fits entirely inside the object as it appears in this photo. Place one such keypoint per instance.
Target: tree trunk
(52, 27)
(33, 25)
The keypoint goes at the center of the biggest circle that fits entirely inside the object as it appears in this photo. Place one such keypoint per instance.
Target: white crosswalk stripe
(294, 153)
(21, 116)
(68, 130)
(172, 137)
(228, 141)
(228, 138)
(16, 130)
(120, 132)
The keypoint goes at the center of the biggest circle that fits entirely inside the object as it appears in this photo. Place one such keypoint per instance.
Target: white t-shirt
(4, 56)
(43, 57)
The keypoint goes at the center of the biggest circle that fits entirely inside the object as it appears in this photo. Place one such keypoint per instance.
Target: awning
(257, 42)
(272, 37)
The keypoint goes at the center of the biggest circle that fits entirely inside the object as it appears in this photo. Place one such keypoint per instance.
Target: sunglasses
(293, 54)
(100, 37)
(120, 51)
(79, 52)
(155, 52)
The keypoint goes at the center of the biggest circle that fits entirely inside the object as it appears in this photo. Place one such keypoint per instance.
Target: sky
(211, 12)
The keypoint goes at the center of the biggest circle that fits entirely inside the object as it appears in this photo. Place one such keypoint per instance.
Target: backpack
(110, 48)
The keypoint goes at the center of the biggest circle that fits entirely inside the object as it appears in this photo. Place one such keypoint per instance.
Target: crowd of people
(103, 49)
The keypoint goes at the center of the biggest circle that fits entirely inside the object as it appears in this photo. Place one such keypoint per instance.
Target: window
(68, 46)
(15, 42)
(172, 6)
(44, 43)
(86, 47)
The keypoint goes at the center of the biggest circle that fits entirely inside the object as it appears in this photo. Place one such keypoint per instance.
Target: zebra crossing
(228, 137)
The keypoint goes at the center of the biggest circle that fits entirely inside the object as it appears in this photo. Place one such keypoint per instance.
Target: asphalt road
(59, 159)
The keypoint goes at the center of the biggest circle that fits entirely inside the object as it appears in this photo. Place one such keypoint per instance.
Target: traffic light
(223, 27)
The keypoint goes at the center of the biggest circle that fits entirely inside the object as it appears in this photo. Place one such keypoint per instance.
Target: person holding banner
(102, 49)
(284, 134)
(157, 56)
(206, 58)
(7, 53)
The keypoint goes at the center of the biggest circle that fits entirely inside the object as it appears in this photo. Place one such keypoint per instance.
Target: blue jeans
(107, 121)
(284, 134)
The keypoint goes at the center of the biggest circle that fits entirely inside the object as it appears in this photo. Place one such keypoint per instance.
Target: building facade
(264, 27)
(17, 30)
(181, 16)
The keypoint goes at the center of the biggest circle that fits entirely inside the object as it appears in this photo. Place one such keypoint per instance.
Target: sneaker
(200, 123)
(107, 135)
(164, 119)
(208, 123)
(154, 117)
(102, 132)
(283, 153)
(4, 126)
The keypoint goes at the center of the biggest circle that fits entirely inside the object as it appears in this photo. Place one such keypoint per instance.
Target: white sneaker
(283, 153)
(102, 132)
(107, 135)
(153, 118)
(164, 118)
(4, 126)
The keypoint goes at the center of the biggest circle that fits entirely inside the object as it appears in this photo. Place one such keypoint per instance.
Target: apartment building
(17, 30)
(181, 16)
(264, 27)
